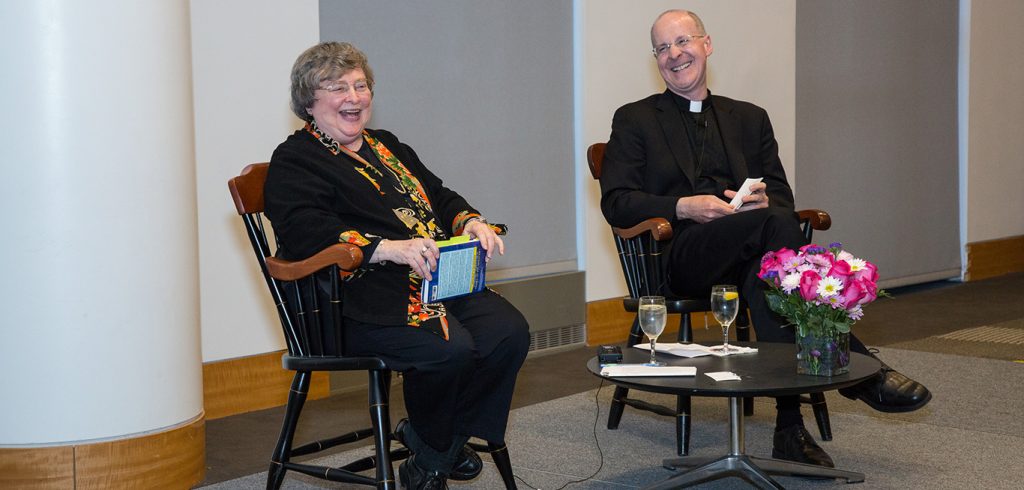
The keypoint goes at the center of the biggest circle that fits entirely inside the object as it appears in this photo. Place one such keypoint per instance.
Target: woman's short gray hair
(323, 63)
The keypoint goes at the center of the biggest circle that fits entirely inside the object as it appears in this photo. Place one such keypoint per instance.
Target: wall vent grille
(557, 337)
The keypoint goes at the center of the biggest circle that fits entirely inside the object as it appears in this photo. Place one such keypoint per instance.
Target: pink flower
(788, 258)
(818, 256)
(853, 292)
(840, 269)
(771, 268)
(809, 285)
(828, 279)
(870, 292)
(868, 273)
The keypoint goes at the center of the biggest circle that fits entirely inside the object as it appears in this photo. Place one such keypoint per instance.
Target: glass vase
(820, 354)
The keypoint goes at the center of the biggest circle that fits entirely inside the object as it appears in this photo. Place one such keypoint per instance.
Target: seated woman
(336, 181)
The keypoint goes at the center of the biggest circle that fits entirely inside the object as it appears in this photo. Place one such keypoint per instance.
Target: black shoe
(468, 465)
(415, 478)
(794, 443)
(890, 392)
(399, 434)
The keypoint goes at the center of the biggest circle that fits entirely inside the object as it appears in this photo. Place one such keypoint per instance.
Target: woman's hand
(488, 238)
(419, 253)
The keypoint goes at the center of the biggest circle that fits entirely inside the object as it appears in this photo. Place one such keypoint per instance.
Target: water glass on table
(652, 314)
(725, 303)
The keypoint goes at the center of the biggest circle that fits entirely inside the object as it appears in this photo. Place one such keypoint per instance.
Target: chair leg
(748, 406)
(683, 419)
(821, 415)
(685, 333)
(743, 326)
(381, 419)
(499, 453)
(282, 452)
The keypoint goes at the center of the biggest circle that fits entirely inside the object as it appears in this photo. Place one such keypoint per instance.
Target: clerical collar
(687, 105)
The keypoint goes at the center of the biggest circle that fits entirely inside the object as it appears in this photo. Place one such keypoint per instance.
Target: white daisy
(829, 286)
(791, 282)
(856, 264)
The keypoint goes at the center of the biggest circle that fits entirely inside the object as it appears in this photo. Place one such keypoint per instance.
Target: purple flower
(835, 245)
(815, 353)
(831, 346)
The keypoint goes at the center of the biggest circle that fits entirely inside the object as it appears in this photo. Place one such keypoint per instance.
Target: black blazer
(312, 196)
(648, 163)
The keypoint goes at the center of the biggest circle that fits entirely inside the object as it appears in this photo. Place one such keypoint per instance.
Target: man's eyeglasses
(360, 86)
(681, 42)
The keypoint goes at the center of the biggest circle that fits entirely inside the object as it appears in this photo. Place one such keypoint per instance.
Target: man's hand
(702, 208)
(757, 199)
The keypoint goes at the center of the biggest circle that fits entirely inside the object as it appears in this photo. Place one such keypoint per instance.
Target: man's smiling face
(684, 68)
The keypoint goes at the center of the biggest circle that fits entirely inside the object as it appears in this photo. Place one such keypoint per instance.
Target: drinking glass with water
(652, 315)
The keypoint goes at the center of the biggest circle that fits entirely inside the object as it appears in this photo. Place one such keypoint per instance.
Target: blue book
(460, 270)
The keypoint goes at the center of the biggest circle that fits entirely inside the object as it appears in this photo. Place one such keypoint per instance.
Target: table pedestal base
(750, 468)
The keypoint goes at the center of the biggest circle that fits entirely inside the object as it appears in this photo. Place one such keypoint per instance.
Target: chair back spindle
(309, 308)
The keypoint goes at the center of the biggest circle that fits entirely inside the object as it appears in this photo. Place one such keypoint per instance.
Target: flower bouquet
(822, 291)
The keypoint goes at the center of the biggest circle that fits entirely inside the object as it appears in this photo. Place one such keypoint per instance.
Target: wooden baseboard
(251, 383)
(171, 459)
(994, 258)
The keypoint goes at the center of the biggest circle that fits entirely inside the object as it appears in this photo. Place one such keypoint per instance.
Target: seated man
(681, 155)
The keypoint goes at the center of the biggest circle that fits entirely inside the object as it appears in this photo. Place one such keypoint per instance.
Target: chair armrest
(659, 228)
(818, 219)
(347, 256)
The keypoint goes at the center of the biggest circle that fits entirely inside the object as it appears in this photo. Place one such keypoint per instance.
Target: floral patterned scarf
(416, 214)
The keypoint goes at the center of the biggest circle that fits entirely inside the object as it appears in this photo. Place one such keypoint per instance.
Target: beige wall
(242, 53)
(994, 167)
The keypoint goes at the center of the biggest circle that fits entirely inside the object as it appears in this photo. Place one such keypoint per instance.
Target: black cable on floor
(597, 443)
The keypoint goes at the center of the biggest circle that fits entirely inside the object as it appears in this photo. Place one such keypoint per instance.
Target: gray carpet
(970, 436)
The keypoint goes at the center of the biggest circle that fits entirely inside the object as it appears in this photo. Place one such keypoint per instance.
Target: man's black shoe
(415, 478)
(890, 392)
(794, 443)
(467, 466)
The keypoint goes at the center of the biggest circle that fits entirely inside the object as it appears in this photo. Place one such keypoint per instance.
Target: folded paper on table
(723, 376)
(693, 350)
(460, 270)
(627, 370)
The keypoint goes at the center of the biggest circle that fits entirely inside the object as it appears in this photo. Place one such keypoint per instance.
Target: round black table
(771, 371)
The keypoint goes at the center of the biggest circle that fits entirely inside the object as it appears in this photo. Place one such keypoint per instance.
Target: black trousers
(457, 387)
(728, 250)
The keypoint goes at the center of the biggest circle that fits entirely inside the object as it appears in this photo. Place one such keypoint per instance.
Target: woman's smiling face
(343, 108)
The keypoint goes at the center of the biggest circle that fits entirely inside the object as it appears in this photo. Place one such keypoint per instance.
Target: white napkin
(693, 350)
(626, 370)
(724, 376)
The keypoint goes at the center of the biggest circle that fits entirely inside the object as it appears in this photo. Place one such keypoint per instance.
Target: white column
(100, 329)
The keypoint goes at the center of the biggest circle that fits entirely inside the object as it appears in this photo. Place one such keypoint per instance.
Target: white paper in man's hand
(744, 191)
